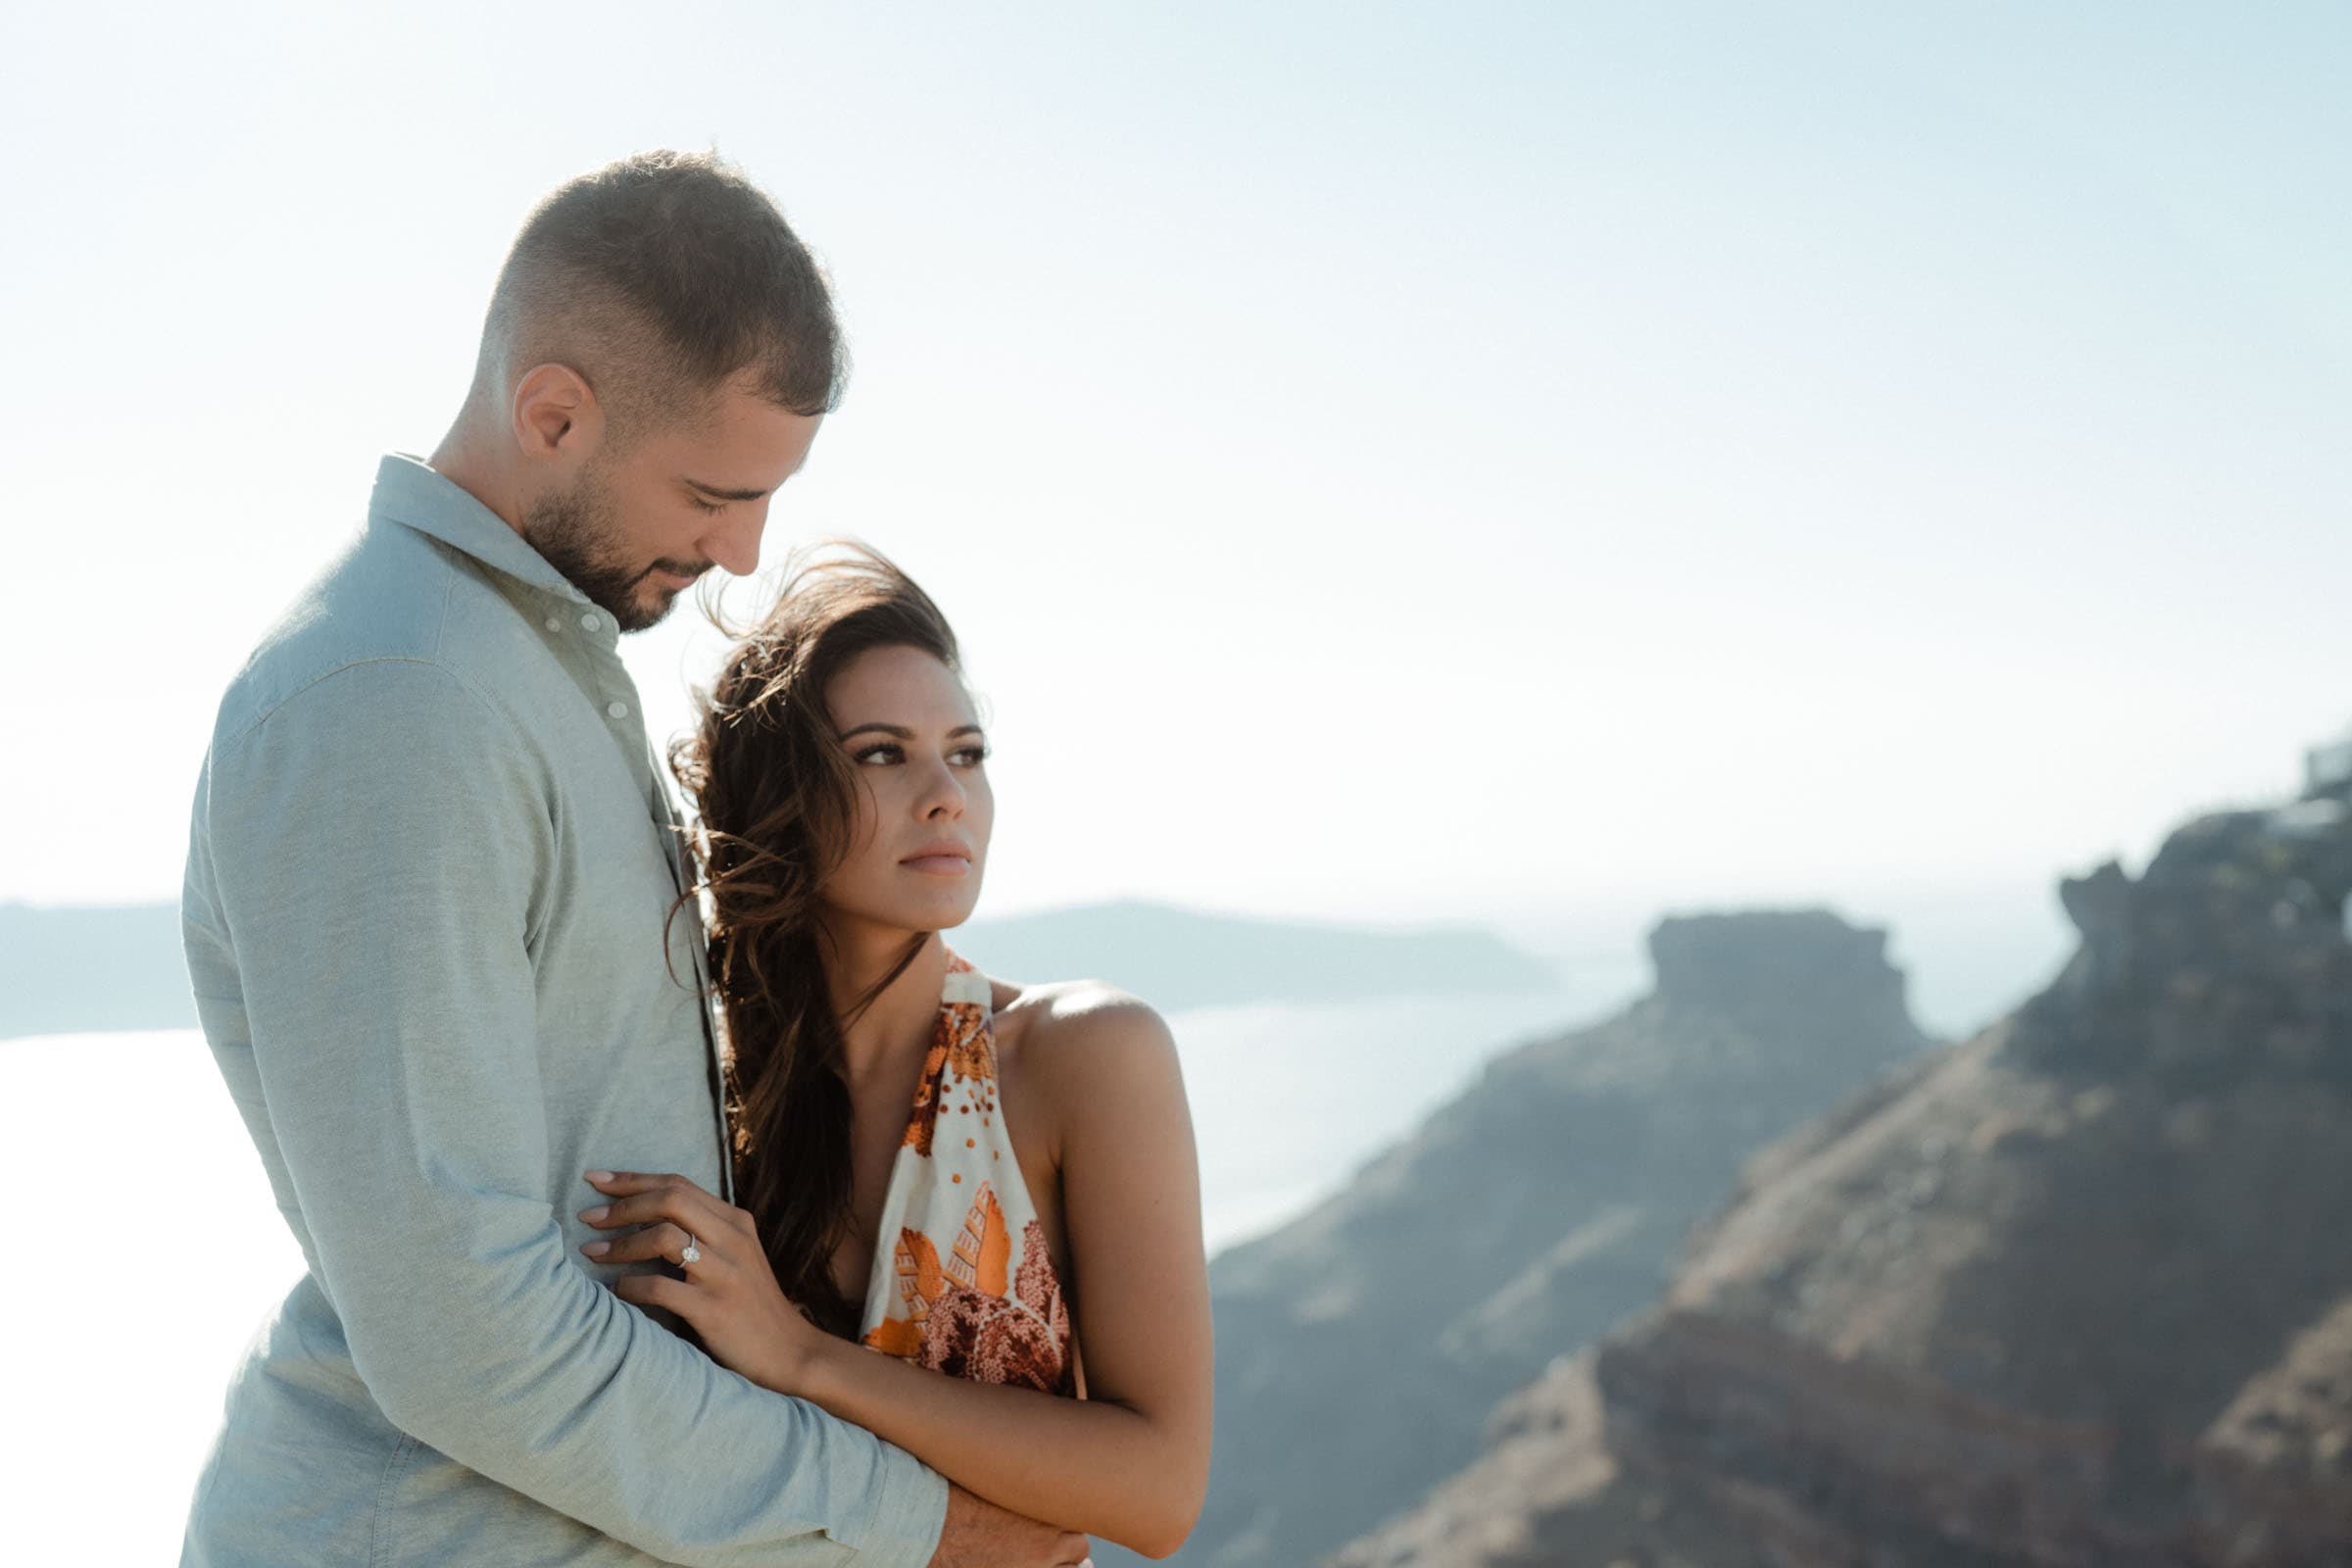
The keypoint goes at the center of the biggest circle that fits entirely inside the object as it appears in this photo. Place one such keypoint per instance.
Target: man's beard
(580, 537)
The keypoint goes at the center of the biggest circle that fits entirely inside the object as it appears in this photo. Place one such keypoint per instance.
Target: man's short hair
(657, 277)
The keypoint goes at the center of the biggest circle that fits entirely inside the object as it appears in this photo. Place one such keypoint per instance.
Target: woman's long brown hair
(777, 796)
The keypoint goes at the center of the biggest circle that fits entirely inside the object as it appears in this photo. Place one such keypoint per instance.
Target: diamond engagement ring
(692, 1253)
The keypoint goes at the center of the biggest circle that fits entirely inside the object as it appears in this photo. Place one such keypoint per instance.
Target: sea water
(151, 1247)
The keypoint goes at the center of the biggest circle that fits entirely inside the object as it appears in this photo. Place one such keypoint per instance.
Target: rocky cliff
(1360, 1348)
(2077, 1291)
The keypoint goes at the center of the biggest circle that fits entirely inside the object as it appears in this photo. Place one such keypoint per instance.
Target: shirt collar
(409, 491)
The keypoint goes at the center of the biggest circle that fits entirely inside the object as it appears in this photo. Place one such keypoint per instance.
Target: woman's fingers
(658, 1290)
(673, 1211)
(663, 1239)
(641, 1199)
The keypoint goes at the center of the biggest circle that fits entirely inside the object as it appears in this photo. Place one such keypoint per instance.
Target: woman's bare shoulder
(1072, 1014)
(1076, 1032)
(1084, 1052)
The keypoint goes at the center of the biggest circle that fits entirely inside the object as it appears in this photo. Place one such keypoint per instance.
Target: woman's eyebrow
(902, 732)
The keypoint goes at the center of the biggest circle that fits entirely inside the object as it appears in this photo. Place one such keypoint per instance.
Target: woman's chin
(941, 914)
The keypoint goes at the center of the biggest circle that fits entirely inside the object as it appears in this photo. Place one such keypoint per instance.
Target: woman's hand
(729, 1293)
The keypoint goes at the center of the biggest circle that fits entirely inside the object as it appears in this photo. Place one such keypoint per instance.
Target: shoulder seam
(463, 681)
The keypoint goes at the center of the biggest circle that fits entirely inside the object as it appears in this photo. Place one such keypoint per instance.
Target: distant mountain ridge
(77, 970)
(1176, 957)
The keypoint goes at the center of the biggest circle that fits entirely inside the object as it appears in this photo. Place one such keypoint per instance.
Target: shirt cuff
(911, 1510)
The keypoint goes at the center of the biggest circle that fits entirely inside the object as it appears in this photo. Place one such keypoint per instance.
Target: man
(429, 905)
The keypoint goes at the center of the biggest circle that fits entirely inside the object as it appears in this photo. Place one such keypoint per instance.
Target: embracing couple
(630, 1238)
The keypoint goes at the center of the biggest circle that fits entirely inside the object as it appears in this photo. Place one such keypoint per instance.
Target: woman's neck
(896, 1023)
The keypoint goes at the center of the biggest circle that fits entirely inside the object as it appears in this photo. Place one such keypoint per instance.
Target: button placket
(604, 649)
(666, 818)
(616, 688)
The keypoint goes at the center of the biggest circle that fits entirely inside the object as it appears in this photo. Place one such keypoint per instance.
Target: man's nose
(735, 543)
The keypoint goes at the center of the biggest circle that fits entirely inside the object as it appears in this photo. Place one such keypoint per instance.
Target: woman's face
(920, 839)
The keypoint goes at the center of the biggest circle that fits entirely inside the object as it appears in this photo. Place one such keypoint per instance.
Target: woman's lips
(938, 865)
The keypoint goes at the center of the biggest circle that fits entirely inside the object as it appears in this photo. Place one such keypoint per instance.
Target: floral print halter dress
(961, 1281)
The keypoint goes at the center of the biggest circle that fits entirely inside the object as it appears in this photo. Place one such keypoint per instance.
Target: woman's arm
(1128, 1463)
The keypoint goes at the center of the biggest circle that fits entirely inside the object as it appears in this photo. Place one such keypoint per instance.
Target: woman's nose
(943, 791)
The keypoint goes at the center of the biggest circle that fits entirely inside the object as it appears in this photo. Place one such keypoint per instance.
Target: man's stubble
(578, 531)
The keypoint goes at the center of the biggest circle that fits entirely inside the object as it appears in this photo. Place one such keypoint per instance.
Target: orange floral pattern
(968, 1288)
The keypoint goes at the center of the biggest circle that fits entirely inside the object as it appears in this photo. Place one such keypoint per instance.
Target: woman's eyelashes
(888, 751)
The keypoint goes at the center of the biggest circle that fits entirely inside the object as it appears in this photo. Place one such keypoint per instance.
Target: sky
(1524, 464)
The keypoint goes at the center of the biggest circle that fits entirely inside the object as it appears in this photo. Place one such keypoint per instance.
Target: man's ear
(556, 415)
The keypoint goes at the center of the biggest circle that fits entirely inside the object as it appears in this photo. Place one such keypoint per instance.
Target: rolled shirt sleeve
(378, 845)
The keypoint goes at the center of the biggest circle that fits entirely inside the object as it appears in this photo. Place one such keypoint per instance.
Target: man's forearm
(600, 1413)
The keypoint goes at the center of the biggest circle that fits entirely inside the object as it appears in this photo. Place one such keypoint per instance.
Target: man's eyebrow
(902, 732)
(717, 494)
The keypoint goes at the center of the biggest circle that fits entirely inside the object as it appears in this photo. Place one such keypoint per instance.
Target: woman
(941, 1172)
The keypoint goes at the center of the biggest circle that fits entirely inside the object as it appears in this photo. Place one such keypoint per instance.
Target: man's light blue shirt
(429, 875)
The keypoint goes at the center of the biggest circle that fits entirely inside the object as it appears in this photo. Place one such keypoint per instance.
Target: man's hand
(980, 1535)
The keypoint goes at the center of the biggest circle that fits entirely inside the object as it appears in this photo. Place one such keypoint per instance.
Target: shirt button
(589, 620)
(617, 709)
(555, 624)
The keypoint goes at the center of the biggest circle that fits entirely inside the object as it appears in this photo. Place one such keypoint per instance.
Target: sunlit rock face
(2076, 1292)
(1360, 1349)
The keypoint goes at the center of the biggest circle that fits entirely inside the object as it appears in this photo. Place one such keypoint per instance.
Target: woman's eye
(891, 752)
